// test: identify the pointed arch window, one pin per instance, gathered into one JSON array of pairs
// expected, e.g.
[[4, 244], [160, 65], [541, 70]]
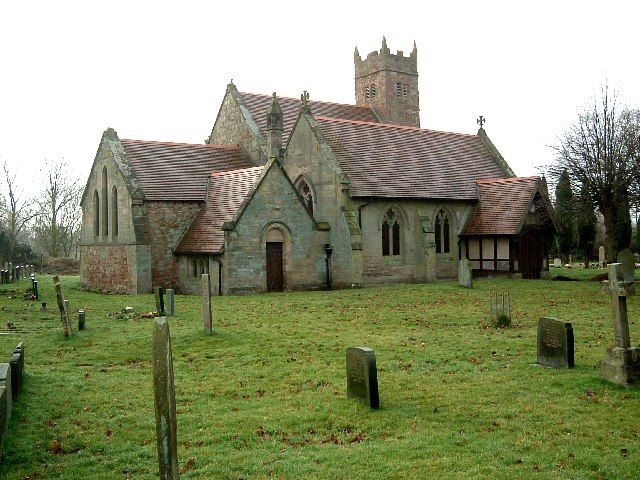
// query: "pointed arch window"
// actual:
[[442, 233], [391, 234], [105, 204], [114, 211], [96, 213], [305, 192]]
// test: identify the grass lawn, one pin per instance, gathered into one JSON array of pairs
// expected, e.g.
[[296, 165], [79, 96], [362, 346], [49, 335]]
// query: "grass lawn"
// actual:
[[265, 395]]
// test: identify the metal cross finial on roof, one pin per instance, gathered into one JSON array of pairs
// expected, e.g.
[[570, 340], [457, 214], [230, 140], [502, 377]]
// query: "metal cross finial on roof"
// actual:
[[481, 121]]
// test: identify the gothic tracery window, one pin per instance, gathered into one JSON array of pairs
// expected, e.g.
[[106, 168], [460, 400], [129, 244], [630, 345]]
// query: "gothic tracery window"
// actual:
[[390, 234], [442, 233], [305, 192]]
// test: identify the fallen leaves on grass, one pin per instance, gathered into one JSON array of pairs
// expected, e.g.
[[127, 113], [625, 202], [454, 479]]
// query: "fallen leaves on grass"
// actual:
[[187, 466]]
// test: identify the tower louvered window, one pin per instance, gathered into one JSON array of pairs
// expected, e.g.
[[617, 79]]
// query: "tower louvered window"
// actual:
[[402, 89]]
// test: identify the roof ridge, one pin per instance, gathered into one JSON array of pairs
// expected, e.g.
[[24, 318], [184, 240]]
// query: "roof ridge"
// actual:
[[228, 172], [310, 101], [392, 125], [205, 145], [507, 180]]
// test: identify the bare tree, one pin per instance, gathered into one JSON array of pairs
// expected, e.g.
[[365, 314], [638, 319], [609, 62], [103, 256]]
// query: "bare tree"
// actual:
[[17, 211], [600, 152], [58, 219]]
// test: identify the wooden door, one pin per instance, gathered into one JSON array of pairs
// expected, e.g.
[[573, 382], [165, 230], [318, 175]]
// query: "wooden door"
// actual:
[[275, 274], [530, 254]]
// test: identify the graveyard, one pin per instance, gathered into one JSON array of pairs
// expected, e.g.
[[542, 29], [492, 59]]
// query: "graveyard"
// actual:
[[265, 394]]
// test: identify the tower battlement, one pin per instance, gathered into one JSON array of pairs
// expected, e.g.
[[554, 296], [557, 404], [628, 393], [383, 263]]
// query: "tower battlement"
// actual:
[[388, 83]]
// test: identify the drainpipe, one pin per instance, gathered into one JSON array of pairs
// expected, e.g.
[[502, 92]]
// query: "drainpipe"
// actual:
[[219, 278], [360, 212], [328, 251]]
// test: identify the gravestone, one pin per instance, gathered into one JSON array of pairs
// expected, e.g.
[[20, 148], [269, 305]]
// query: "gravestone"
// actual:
[[555, 343], [159, 293], [81, 319], [206, 302], [601, 256], [628, 262], [557, 263], [500, 308], [622, 364], [362, 376], [17, 370], [62, 306], [465, 274], [34, 288], [164, 401], [4, 417], [5, 381], [43, 307], [170, 302]]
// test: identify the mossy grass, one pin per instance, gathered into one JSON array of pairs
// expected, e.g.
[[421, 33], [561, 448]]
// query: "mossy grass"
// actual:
[[264, 396]]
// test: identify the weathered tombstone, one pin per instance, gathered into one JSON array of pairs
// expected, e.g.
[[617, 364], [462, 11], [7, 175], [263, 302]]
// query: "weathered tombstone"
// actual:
[[12, 273], [159, 292], [555, 343], [17, 370], [206, 302], [81, 319], [557, 263], [34, 287], [170, 302], [5, 381], [43, 307], [4, 417], [622, 365], [62, 306], [165, 401], [362, 376], [465, 274], [500, 307], [601, 256], [628, 262]]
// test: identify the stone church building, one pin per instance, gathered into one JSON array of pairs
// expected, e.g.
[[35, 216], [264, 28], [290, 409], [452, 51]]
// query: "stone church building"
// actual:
[[301, 194]]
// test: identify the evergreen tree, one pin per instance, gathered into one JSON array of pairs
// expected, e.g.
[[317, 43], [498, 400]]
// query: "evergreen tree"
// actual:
[[623, 223], [585, 224], [565, 239]]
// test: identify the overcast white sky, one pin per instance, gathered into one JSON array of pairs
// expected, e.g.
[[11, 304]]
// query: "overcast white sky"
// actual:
[[158, 70]]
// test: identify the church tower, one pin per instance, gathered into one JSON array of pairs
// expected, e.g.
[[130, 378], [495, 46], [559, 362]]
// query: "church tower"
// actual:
[[388, 83]]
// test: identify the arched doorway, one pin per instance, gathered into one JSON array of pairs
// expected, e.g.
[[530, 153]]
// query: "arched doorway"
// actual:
[[275, 267]]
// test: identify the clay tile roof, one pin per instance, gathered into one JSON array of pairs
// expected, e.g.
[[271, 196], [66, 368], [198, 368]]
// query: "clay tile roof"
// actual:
[[227, 191], [406, 162], [258, 105], [503, 206], [179, 171]]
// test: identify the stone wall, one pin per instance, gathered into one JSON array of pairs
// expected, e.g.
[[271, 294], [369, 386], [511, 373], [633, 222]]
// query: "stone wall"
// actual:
[[167, 222], [306, 159], [234, 126], [116, 268], [275, 204]]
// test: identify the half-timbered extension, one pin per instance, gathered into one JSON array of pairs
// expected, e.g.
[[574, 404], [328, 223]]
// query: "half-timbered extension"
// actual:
[[512, 227]]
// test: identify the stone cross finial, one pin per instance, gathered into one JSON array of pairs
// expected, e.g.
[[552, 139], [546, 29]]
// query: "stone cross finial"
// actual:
[[620, 290], [305, 99], [481, 121]]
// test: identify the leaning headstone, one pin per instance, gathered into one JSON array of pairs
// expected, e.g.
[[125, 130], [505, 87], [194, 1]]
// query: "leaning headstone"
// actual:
[[81, 319], [555, 343], [5, 381], [628, 262], [17, 370], [62, 306], [500, 308], [171, 298], [362, 376], [465, 274], [159, 293], [602, 259], [622, 364], [206, 302], [164, 401], [557, 263]]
